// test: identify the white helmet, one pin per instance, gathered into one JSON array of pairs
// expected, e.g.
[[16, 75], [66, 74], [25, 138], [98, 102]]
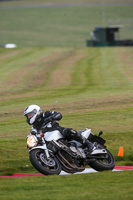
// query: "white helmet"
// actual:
[[32, 113]]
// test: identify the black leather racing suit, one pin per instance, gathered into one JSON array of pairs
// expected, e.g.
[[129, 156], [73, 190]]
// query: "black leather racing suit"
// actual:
[[48, 116], [68, 133]]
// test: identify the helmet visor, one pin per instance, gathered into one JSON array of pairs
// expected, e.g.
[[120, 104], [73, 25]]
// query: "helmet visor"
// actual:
[[31, 114]]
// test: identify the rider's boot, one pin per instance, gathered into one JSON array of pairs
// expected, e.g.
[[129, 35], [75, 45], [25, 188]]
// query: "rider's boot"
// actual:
[[86, 143]]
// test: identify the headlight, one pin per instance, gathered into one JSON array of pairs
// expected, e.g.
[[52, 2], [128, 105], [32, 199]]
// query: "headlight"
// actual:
[[32, 141]]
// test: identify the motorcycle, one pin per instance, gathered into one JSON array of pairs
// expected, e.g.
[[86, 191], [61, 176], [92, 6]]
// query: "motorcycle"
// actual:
[[50, 152]]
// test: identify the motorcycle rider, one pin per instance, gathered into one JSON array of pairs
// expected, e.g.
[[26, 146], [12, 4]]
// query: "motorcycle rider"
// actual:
[[35, 116]]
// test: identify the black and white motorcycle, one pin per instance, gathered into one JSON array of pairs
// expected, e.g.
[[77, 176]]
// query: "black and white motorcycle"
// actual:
[[50, 153]]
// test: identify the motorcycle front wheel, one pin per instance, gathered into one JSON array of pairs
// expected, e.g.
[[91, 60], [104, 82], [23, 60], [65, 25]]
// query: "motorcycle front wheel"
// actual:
[[45, 166], [107, 163]]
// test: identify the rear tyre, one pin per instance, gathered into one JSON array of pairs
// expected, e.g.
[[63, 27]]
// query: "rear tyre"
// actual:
[[42, 164], [107, 163]]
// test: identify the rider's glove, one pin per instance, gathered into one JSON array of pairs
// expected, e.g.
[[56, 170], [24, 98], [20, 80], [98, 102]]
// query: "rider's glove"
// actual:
[[72, 132], [47, 120], [33, 131]]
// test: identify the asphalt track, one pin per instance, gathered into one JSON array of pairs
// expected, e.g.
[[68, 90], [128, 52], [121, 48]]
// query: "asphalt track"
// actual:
[[86, 171]]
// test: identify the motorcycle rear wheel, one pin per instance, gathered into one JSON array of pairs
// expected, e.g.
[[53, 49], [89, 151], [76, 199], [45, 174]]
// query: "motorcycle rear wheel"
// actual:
[[44, 166], [104, 164]]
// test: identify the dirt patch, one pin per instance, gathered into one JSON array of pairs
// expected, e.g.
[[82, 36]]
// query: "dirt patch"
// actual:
[[31, 75], [95, 104], [9, 54], [92, 104], [62, 75]]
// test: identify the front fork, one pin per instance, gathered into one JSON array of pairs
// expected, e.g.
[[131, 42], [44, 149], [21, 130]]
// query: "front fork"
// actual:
[[45, 149]]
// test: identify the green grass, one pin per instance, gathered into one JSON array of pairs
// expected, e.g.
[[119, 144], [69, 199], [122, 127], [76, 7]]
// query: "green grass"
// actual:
[[104, 185]]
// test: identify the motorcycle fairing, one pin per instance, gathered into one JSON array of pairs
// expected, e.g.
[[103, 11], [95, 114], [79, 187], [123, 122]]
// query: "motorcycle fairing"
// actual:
[[53, 135]]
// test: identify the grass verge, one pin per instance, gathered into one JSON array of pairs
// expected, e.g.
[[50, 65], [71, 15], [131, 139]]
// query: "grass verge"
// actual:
[[103, 185]]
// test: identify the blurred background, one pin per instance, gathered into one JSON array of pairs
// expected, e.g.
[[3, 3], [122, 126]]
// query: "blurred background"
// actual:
[[61, 23]]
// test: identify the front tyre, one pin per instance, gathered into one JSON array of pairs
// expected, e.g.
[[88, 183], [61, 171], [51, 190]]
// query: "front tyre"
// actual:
[[107, 163], [42, 164]]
